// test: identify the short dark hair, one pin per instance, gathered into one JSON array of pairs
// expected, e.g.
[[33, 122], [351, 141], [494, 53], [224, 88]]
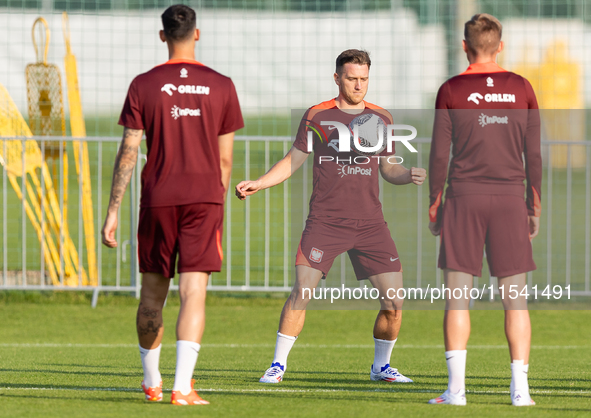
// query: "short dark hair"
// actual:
[[179, 22], [483, 34], [354, 56]]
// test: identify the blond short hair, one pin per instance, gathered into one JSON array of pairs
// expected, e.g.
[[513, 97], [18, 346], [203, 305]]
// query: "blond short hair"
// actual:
[[483, 34]]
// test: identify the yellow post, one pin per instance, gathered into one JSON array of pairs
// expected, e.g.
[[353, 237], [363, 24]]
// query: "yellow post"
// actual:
[[78, 129]]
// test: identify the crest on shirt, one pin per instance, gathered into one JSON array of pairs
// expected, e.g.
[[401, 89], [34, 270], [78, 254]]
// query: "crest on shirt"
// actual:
[[316, 255], [184, 73], [490, 82]]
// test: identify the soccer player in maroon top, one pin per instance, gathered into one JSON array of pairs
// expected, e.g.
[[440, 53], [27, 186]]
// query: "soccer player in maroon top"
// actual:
[[335, 224], [189, 113], [489, 117]]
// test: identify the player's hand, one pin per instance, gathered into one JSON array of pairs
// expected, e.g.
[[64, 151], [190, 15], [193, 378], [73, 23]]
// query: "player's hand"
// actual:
[[109, 229], [418, 175], [246, 188], [534, 226], [435, 228]]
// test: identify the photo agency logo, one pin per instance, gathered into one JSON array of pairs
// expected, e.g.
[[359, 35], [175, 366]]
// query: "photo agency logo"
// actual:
[[367, 135]]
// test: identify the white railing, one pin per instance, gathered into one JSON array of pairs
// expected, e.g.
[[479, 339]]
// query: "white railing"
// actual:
[[261, 233]]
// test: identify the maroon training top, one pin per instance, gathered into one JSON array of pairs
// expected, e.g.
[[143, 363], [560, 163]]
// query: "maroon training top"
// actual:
[[346, 186], [183, 106], [490, 117]]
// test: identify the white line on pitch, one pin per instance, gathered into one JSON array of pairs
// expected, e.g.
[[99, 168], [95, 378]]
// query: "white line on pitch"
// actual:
[[345, 346], [238, 390]]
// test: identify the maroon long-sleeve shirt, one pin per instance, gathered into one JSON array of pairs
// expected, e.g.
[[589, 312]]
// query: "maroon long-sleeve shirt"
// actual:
[[490, 118]]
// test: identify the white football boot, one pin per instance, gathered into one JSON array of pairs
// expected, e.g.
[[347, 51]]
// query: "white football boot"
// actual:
[[389, 374], [448, 398], [274, 374], [520, 398]]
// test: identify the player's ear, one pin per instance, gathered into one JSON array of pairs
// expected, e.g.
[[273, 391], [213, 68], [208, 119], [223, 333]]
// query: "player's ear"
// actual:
[[501, 47], [162, 36], [464, 46], [336, 79], [197, 33]]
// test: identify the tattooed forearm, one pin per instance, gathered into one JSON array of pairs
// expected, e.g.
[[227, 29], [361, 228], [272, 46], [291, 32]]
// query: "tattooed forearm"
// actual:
[[124, 164]]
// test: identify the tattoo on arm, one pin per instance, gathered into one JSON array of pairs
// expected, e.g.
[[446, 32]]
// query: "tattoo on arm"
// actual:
[[124, 164]]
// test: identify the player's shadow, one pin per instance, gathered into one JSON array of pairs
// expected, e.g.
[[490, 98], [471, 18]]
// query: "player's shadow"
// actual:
[[136, 399], [262, 370], [81, 373], [96, 366]]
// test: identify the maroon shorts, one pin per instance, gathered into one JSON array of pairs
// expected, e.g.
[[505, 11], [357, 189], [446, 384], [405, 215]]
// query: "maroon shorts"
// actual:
[[368, 243], [194, 232], [498, 221]]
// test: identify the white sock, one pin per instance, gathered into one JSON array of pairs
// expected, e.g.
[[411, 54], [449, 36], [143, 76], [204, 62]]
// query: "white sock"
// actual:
[[456, 369], [382, 352], [282, 348], [519, 376], [186, 358], [150, 363]]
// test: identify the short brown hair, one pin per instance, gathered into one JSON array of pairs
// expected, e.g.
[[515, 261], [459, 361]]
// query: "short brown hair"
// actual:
[[354, 56], [179, 22], [483, 34]]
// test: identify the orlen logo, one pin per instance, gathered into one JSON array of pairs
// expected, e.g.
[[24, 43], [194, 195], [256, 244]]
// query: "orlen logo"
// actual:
[[177, 112], [484, 120], [492, 98], [475, 97], [345, 170], [184, 89]]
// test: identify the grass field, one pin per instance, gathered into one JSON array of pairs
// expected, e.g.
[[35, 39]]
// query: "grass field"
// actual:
[[60, 358]]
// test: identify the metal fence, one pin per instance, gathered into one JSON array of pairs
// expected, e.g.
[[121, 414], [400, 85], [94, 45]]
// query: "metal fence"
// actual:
[[261, 234]]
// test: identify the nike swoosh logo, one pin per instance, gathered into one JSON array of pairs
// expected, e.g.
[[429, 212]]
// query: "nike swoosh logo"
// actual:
[[447, 358], [394, 259]]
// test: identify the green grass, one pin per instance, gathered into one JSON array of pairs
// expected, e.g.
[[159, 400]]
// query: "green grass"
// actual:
[[41, 374]]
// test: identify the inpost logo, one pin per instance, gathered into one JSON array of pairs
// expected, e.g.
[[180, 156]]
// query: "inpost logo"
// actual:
[[484, 120], [177, 112], [345, 170]]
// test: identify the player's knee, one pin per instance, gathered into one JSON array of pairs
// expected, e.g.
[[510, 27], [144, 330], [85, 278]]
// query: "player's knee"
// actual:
[[302, 294], [391, 305], [393, 313], [153, 300], [519, 304]]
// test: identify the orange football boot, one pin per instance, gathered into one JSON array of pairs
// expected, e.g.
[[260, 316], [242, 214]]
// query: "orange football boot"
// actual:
[[191, 399], [153, 394]]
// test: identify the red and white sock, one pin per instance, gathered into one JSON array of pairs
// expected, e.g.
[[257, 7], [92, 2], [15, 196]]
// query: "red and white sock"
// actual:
[[456, 368], [186, 358], [151, 365]]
